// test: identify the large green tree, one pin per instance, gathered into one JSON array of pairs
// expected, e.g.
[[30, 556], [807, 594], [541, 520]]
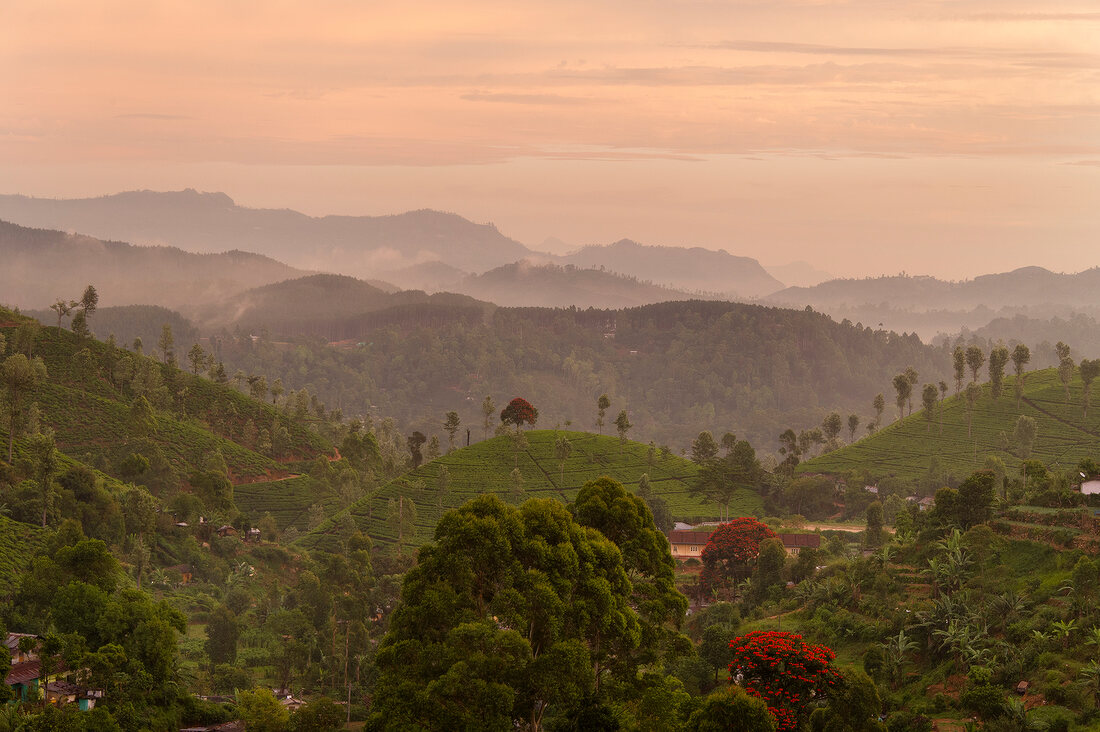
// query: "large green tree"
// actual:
[[19, 376]]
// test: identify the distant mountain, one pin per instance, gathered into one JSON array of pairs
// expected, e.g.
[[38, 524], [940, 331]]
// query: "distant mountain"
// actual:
[[428, 276], [38, 266], [691, 269], [798, 274], [525, 284], [211, 222]]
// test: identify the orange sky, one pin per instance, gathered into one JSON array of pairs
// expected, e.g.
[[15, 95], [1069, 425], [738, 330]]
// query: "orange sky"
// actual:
[[864, 136]]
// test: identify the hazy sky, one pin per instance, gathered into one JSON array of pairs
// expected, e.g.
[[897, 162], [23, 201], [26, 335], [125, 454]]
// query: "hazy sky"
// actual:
[[864, 136]]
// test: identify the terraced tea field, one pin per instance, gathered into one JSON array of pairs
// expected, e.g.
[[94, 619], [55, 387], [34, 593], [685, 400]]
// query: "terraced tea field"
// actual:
[[487, 467], [905, 448]]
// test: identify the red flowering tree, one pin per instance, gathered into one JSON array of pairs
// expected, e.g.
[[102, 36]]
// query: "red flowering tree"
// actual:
[[519, 412], [792, 676], [732, 549]]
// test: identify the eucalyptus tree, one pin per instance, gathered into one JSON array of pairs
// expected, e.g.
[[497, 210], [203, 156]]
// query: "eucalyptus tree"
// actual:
[[1021, 355], [998, 358], [958, 359], [1090, 369], [904, 389], [975, 359], [1065, 366], [973, 393], [20, 376], [928, 401]]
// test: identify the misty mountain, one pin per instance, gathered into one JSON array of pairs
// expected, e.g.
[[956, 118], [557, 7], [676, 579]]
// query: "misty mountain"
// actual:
[[525, 284], [798, 274], [212, 222], [429, 276], [41, 265], [691, 269]]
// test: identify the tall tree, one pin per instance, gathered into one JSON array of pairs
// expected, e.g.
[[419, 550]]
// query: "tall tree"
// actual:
[[519, 412], [998, 359], [62, 307], [975, 359], [973, 393], [958, 359], [167, 344], [414, 442], [1023, 435], [1065, 367], [89, 301], [622, 426], [222, 633], [720, 478], [1090, 369], [879, 405], [602, 405], [1021, 355], [703, 448], [911, 374], [80, 325], [788, 447], [943, 390], [831, 427], [197, 358], [450, 426], [487, 411], [43, 453], [19, 376], [904, 389], [853, 423], [928, 401], [442, 483], [563, 448]]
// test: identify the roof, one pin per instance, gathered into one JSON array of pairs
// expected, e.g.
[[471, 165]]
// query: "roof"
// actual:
[[689, 537], [21, 673], [12, 641], [800, 540]]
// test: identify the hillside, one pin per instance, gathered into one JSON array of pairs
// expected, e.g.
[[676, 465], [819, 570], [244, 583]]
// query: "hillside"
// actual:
[[41, 264], [907, 449], [486, 467], [525, 284], [685, 268], [363, 246]]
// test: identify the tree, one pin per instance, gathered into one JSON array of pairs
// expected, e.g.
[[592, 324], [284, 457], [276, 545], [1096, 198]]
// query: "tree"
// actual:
[[1090, 369], [789, 674], [414, 442], [222, 632], [911, 374], [788, 447], [975, 499], [450, 426], [1021, 355], [277, 390], [497, 628], [43, 454], [1065, 366], [831, 426], [958, 360], [563, 448], [80, 326], [873, 535], [731, 709], [602, 405], [731, 550], [487, 410], [853, 423], [442, 483], [89, 301], [519, 412], [975, 359], [704, 448], [167, 344], [928, 401], [943, 390], [197, 358], [998, 359], [855, 707], [622, 426], [720, 478], [19, 375], [62, 308], [1023, 435], [879, 405], [904, 389], [403, 516], [973, 393], [261, 711]]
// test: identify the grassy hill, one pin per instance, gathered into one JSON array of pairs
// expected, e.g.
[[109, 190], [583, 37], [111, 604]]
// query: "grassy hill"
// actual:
[[487, 467], [19, 543], [907, 448]]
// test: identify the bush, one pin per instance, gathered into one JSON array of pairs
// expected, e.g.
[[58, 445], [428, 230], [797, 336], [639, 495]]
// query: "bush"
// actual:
[[908, 721], [984, 700]]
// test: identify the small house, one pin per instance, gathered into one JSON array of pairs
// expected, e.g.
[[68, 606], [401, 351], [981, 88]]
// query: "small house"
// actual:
[[926, 503], [253, 535], [794, 543], [1022, 687], [689, 543]]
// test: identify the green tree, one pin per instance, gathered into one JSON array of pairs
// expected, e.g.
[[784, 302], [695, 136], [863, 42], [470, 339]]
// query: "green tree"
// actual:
[[703, 448], [487, 410], [1023, 435], [19, 376], [973, 393], [720, 478], [167, 345], [197, 358], [414, 442], [1065, 366], [403, 518], [563, 448], [1090, 369], [831, 426], [261, 711], [731, 710], [62, 308], [450, 426], [43, 454], [874, 534], [622, 426], [879, 405], [975, 499], [222, 633], [998, 359], [602, 405], [975, 359], [89, 301], [80, 326], [853, 424], [1021, 355], [904, 391], [442, 483], [928, 401]]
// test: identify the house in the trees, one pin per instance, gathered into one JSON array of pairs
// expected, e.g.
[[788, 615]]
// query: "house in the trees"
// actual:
[[26, 678], [688, 543], [794, 543]]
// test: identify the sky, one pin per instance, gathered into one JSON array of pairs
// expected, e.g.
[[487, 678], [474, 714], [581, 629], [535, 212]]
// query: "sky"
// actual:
[[944, 137]]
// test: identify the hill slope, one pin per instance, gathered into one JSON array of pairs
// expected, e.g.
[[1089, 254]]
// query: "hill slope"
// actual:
[[908, 448], [486, 467]]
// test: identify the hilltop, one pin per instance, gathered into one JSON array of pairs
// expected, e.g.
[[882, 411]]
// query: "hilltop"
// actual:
[[915, 449], [486, 467]]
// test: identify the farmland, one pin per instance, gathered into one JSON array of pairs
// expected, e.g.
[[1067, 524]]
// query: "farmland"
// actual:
[[911, 448], [487, 468]]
